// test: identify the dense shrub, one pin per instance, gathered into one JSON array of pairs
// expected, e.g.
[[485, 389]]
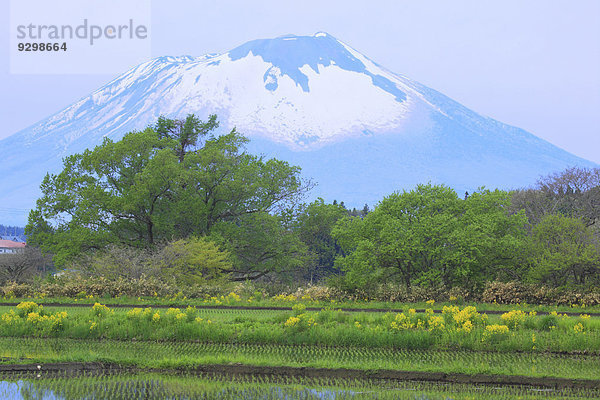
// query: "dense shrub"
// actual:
[[517, 292], [75, 286]]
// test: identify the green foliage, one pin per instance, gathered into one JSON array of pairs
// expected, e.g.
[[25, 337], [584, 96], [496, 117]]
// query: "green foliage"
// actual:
[[430, 236], [261, 244], [455, 328], [315, 224], [563, 251], [194, 260], [170, 181]]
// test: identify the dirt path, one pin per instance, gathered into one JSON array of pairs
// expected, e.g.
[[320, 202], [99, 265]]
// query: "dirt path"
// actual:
[[334, 373]]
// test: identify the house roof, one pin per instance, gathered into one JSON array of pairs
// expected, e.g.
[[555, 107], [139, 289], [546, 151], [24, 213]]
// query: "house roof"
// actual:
[[10, 244]]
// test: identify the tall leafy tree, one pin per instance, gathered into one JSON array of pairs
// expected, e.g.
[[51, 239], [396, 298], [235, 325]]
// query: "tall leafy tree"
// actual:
[[315, 224], [169, 181], [429, 235]]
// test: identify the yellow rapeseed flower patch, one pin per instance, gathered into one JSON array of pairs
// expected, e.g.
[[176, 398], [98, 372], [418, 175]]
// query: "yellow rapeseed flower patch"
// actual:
[[283, 297], [134, 313], [495, 332], [233, 296], [101, 310], [292, 321], [436, 323], [466, 327], [514, 318], [26, 307]]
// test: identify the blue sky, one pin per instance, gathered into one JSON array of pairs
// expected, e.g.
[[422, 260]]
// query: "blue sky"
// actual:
[[533, 64]]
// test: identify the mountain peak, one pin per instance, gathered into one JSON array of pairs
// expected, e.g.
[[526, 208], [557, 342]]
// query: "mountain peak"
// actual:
[[288, 54]]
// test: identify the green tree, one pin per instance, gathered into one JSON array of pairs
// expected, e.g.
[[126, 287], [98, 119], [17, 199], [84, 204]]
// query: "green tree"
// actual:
[[563, 251], [430, 236], [262, 244], [315, 224], [195, 260], [157, 185]]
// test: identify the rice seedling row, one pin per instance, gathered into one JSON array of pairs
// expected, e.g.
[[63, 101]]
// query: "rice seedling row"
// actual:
[[189, 354], [161, 386]]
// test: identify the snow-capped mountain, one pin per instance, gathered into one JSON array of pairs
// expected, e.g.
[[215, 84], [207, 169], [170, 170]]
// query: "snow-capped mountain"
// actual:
[[357, 129]]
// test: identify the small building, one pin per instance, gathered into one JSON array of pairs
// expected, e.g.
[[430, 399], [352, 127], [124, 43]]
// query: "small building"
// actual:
[[9, 246]]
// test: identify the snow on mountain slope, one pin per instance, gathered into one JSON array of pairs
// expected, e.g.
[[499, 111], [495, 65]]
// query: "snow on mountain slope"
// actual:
[[355, 127]]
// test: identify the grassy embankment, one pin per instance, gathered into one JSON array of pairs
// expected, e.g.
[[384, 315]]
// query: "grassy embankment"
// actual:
[[287, 301]]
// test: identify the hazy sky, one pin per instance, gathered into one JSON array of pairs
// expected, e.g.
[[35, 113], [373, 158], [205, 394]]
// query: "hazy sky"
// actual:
[[534, 64]]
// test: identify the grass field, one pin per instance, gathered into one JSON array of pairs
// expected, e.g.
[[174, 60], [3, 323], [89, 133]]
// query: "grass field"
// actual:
[[457, 340], [454, 328]]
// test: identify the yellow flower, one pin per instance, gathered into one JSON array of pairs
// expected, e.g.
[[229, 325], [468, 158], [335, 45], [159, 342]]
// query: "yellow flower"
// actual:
[[292, 321], [33, 317], [402, 322], [497, 328], [495, 332], [10, 317], [233, 296], [436, 323], [134, 313], [466, 327], [26, 307], [283, 297], [578, 328], [156, 317], [172, 312], [430, 302], [100, 310], [514, 318]]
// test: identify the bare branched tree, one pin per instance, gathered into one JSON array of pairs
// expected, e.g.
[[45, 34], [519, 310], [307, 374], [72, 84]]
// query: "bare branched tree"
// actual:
[[23, 265], [574, 192]]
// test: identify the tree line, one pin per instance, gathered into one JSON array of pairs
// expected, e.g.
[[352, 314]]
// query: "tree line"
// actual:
[[177, 201]]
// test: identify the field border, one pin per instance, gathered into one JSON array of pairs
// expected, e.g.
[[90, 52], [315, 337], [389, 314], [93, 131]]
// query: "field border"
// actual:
[[273, 308], [308, 372]]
